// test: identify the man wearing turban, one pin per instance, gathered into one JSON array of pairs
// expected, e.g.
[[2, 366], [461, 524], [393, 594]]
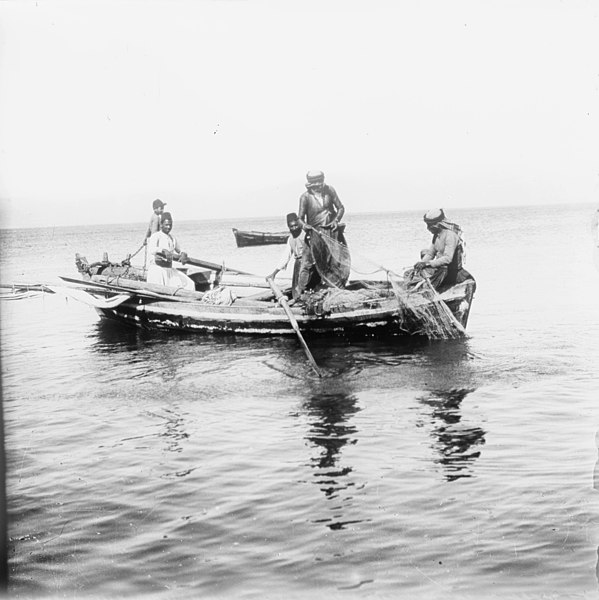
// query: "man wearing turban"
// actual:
[[321, 210], [441, 262], [163, 248], [293, 249]]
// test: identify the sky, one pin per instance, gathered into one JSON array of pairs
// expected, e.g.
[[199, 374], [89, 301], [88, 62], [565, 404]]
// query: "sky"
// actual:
[[220, 107]]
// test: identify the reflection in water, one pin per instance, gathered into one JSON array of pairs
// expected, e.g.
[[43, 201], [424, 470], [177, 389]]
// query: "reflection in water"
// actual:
[[456, 443], [329, 433], [596, 471], [173, 429], [111, 336], [596, 487]]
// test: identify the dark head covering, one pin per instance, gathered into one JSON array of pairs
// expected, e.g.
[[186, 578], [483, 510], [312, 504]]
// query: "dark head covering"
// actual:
[[166, 217], [158, 204], [314, 178], [291, 218], [434, 216]]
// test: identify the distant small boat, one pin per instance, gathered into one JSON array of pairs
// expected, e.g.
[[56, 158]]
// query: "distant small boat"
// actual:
[[259, 238]]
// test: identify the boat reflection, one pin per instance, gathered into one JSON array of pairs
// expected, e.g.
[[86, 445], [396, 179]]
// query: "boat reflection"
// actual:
[[457, 444], [596, 470], [329, 432], [172, 428], [596, 487], [112, 336]]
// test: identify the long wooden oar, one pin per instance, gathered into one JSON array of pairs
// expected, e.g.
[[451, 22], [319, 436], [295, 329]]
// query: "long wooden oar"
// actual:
[[283, 302], [196, 262], [95, 285], [27, 287]]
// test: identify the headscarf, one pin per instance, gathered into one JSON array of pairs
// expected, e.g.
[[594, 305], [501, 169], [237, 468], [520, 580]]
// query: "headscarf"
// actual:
[[436, 216], [314, 178]]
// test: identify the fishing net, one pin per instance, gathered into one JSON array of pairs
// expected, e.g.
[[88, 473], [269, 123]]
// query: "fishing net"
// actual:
[[333, 300], [422, 306], [421, 309], [331, 258]]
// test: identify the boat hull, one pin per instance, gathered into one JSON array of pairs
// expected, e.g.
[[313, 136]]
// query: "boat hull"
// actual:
[[377, 317], [259, 238]]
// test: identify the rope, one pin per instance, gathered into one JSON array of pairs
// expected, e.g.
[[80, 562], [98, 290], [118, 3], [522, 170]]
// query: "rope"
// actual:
[[144, 245]]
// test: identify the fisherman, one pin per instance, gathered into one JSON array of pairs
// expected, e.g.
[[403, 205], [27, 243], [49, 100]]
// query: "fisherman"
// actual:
[[163, 248], [154, 226], [293, 249], [320, 212], [441, 263]]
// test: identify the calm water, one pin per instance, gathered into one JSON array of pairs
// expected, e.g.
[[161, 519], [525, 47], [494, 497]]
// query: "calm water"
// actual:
[[197, 466]]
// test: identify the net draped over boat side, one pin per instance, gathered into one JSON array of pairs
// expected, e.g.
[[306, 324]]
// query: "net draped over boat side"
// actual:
[[332, 259], [426, 308]]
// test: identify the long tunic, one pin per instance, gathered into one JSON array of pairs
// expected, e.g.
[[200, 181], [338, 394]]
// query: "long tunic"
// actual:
[[442, 251], [166, 275]]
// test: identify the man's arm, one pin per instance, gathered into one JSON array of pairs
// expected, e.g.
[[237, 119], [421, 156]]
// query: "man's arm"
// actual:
[[426, 257], [337, 204], [451, 243], [303, 212]]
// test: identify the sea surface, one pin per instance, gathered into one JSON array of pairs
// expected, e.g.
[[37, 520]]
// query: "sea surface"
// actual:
[[176, 465]]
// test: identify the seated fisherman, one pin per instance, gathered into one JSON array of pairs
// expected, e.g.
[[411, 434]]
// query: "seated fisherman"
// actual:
[[319, 209], [163, 248], [441, 263], [293, 249]]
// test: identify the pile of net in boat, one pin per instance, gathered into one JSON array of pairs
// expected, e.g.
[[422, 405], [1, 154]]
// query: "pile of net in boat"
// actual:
[[421, 308], [325, 301], [420, 311]]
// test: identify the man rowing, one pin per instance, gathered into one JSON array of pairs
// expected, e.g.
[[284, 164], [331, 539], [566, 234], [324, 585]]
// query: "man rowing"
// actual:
[[293, 249], [163, 248]]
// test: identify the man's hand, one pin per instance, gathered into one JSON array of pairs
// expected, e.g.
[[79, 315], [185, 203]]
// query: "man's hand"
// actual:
[[183, 258], [334, 225], [421, 264], [165, 254]]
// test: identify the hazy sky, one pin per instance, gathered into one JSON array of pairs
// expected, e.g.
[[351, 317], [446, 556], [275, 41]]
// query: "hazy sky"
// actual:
[[220, 107]]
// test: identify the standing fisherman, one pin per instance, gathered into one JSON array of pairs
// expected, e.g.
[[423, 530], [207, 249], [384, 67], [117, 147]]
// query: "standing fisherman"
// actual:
[[321, 210]]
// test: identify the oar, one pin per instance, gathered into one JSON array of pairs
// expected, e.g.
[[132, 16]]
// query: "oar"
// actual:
[[283, 302], [196, 262], [28, 287], [94, 285]]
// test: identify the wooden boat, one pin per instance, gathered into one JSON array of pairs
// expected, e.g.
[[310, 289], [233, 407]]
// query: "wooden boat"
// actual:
[[365, 308], [259, 238]]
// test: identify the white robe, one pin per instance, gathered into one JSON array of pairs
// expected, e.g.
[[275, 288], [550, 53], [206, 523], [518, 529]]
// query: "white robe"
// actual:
[[168, 276]]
